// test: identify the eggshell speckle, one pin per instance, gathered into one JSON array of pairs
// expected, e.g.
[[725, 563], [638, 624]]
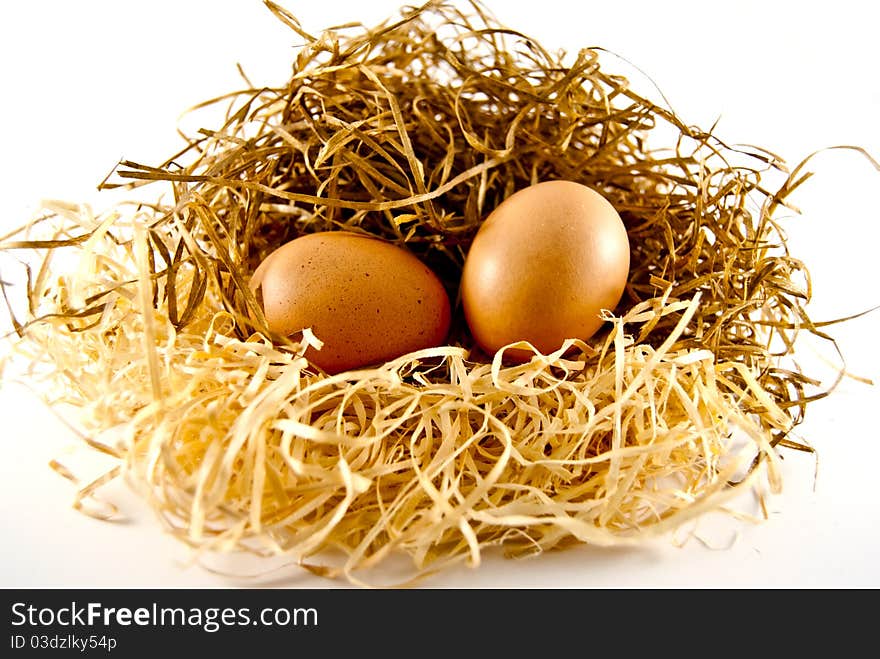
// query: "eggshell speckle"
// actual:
[[543, 266], [369, 301]]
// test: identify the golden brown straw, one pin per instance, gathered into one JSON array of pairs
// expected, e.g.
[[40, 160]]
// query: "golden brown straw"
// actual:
[[414, 131]]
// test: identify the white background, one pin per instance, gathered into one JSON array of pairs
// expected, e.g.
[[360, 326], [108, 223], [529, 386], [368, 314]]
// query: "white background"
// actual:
[[85, 84]]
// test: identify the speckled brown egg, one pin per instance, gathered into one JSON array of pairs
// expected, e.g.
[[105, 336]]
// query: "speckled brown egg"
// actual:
[[543, 266], [368, 300]]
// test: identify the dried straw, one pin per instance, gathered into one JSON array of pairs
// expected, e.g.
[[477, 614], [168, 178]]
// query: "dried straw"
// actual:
[[413, 131]]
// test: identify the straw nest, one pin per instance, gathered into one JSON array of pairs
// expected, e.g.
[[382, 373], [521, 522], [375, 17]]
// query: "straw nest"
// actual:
[[413, 131]]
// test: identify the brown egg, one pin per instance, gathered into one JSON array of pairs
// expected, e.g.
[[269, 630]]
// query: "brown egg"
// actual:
[[543, 266], [369, 301]]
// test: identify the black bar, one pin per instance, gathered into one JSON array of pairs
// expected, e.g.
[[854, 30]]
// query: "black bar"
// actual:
[[126, 622]]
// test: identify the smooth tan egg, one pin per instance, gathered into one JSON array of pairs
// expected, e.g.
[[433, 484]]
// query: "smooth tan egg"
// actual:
[[543, 266], [369, 301]]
